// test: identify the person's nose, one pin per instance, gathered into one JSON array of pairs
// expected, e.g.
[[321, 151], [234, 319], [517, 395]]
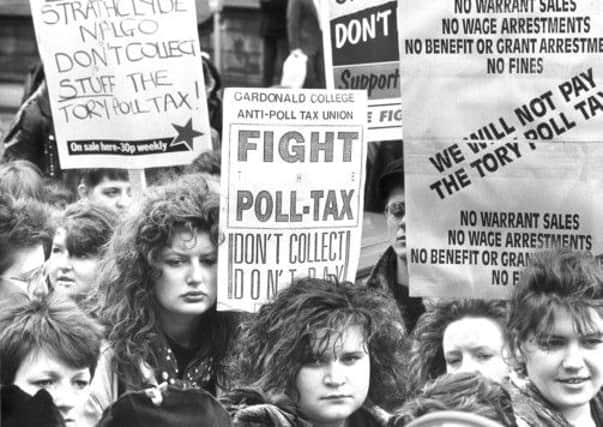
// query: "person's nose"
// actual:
[[335, 374], [573, 357], [468, 364], [195, 273], [124, 200], [64, 397], [63, 260]]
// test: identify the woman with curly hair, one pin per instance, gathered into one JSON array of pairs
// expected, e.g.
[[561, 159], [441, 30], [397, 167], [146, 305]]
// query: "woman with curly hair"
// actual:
[[556, 336], [158, 297], [322, 353], [458, 336]]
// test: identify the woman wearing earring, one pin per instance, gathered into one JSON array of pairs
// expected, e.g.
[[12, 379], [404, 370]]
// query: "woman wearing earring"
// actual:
[[556, 336]]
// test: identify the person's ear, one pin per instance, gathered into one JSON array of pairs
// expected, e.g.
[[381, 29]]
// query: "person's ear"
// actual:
[[82, 191]]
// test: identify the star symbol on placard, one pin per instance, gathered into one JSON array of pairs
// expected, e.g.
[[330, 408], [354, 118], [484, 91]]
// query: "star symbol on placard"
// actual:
[[185, 135]]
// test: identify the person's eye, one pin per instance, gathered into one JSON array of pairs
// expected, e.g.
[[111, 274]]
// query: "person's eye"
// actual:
[[56, 250], [484, 356], [111, 192], [592, 342], [174, 262], [350, 359], [315, 361], [81, 384], [453, 362], [551, 344], [81, 256], [208, 260], [43, 383]]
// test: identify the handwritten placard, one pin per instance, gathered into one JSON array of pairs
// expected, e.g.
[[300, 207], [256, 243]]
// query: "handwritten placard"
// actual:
[[125, 79]]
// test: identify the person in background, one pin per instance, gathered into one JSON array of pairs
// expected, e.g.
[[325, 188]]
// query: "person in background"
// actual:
[[304, 35], [58, 194], [321, 353], [49, 343], [391, 271], [25, 238], [108, 187], [273, 30], [157, 297], [82, 231], [22, 179], [555, 331], [459, 336], [466, 392]]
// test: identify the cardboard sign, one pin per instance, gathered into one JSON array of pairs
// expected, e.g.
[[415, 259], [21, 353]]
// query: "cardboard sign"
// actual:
[[486, 84], [125, 80], [476, 242], [292, 186], [361, 52], [488, 70]]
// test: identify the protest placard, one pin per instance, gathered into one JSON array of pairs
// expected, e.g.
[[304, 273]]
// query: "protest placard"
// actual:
[[361, 52], [475, 243], [484, 69], [125, 80], [517, 74], [291, 192]]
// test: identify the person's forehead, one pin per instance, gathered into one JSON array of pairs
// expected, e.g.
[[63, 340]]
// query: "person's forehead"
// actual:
[[350, 338], [563, 323], [40, 361], [472, 332], [185, 240], [107, 182]]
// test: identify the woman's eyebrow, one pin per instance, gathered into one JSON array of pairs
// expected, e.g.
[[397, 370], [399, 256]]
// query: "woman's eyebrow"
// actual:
[[597, 334]]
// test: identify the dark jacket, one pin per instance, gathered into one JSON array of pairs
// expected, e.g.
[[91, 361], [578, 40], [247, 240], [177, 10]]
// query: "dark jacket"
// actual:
[[31, 134], [273, 22], [19, 409], [269, 415], [384, 276], [303, 27]]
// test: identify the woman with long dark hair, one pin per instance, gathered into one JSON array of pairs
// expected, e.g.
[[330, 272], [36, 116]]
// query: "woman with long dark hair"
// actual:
[[158, 296]]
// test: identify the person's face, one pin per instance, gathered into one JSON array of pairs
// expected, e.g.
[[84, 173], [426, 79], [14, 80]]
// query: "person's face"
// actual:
[[115, 194], [68, 273], [564, 365], [335, 384], [395, 215], [188, 280], [475, 344], [68, 386]]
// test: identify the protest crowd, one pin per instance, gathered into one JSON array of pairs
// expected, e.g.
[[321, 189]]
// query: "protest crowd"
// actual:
[[109, 293]]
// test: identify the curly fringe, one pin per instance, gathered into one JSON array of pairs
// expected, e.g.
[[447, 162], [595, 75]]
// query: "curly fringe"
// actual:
[[126, 303], [273, 346]]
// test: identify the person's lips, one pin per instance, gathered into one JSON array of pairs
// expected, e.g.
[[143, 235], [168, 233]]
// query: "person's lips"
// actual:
[[194, 296], [65, 281], [573, 381], [336, 397]]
